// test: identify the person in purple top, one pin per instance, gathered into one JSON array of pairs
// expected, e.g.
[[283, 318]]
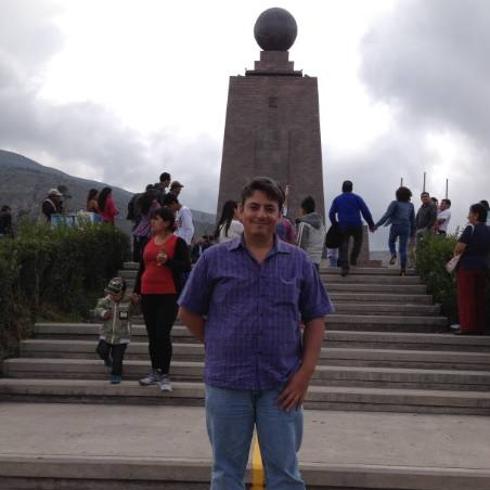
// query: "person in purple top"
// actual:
[[246, 299], [346, 211]]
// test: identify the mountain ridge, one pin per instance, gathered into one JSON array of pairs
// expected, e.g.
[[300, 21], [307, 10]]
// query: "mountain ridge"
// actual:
[[24, 184]]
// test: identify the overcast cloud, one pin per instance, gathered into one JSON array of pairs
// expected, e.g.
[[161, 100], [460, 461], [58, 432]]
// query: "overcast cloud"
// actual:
[[418, 100]]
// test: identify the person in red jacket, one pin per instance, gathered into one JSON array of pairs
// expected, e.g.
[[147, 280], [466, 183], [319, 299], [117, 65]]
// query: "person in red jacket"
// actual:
[[107, 207], [159, 281]]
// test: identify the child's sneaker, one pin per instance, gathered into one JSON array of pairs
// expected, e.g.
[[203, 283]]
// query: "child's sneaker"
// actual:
[[164, 383], [152, 378], [116, 379]]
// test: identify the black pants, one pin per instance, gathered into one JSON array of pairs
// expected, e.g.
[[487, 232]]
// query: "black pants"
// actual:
[[356, 233], [112, 353], [159, 312]]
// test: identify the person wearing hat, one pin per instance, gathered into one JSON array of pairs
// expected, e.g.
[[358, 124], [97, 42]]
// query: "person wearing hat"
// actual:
[[52, 204], [175, 188], [115, 310]]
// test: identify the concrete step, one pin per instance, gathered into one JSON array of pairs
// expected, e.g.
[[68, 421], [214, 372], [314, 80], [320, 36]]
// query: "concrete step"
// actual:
[[371, 271], [332, 276], [393, 322], [349, 286], [192, 394], [336, 337], [407, 341], [436, 379], [333, 356], [133, 266], [329, 278], [386, 323], [386, 308], [382, 298]]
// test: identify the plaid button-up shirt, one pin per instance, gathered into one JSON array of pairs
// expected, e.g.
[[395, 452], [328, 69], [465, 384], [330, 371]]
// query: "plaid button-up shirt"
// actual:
[[253, 312]]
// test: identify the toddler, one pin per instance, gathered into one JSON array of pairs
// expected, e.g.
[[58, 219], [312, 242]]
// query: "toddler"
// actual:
[[115, 310]]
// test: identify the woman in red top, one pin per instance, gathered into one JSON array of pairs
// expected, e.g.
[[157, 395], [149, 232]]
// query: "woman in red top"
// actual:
[[165, 258], [107, 207]]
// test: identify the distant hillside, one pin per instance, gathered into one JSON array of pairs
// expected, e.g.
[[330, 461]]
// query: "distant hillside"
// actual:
[[24, 184]]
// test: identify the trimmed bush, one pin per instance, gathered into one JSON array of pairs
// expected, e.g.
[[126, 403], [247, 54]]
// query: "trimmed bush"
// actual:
[[433, 252], [54, 273]]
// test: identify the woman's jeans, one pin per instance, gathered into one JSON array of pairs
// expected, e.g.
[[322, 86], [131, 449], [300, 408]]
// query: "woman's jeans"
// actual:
[[402, 232], [231, 416]]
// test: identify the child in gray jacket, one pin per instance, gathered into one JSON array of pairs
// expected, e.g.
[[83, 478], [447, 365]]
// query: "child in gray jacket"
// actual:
[[116, 311]]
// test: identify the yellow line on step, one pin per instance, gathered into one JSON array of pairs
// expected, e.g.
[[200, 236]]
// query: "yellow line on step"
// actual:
[[257, 468]]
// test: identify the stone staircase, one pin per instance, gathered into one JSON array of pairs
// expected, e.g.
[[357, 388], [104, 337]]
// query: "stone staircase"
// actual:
[[386, 349], [388, 362]]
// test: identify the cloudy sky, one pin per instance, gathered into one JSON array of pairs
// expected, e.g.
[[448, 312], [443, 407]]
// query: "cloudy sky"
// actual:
[[120, 90]]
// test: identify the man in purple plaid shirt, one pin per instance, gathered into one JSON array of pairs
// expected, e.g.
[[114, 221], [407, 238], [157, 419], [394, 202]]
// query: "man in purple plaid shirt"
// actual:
[[246, 299]]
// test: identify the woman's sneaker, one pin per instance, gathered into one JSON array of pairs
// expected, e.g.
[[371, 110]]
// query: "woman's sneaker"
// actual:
[[164, 383], [115, 379], [152, 378]]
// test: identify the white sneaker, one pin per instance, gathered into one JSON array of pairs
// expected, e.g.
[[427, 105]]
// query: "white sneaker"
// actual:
[[455, 326], [152, 378], [164, 383]]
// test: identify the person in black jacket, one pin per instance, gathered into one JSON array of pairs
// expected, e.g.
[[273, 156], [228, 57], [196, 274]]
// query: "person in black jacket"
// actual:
[[158, 283]]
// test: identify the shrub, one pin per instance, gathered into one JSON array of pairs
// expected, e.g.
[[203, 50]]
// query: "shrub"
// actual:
[[433, 252], [54, 273]]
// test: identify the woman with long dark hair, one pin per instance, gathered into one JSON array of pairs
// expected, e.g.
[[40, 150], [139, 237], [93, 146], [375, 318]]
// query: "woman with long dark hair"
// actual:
[[107, 207], [474, 248], [159, 281], [401, 215], [147, 203], [92, 204], [228, 226]]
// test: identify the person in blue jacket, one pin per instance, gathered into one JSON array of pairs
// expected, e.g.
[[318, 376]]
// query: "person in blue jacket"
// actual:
[[346, 211]]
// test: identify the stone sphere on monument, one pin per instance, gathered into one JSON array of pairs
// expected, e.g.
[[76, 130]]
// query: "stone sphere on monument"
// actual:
[[275, 30]]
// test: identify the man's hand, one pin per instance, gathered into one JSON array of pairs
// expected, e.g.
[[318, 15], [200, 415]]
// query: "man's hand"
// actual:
[[291, 398]]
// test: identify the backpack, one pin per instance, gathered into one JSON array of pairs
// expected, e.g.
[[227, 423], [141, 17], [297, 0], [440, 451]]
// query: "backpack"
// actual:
[[133, 213]]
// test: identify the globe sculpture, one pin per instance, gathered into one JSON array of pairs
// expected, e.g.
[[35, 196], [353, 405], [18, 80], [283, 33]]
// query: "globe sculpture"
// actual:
[[275, 30]]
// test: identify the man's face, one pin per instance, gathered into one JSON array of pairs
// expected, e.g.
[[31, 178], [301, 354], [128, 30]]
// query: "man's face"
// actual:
[[165, 183], [425, 198], [443, 205], [259, 215]]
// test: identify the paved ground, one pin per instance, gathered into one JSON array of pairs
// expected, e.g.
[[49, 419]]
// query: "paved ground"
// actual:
[[155, 433]]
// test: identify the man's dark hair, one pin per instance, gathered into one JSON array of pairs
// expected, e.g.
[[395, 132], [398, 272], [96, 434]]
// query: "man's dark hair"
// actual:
[[434, 200], [308, 204], [169, 199], [266, 185], [424, 194], [485, 204], [164, 176], [480, 210], [403, 194], [447, 201], [347, 186]]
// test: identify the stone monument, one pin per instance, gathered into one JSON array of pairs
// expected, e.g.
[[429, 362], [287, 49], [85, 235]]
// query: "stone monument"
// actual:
[[272, 121]]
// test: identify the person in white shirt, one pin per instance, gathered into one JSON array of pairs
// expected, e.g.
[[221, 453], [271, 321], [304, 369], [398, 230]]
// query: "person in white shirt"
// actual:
[[443, 217], [183, 218], [228, 226]]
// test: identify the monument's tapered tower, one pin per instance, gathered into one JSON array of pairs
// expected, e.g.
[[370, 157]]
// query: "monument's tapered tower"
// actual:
[[272, 121]]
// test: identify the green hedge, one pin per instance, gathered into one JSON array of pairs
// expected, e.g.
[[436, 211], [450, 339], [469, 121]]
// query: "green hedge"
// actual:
[[433, 252], [54, 274]]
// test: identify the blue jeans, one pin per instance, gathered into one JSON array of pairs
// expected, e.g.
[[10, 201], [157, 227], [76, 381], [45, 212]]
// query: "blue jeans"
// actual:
[[402, 232], [230, 418]]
